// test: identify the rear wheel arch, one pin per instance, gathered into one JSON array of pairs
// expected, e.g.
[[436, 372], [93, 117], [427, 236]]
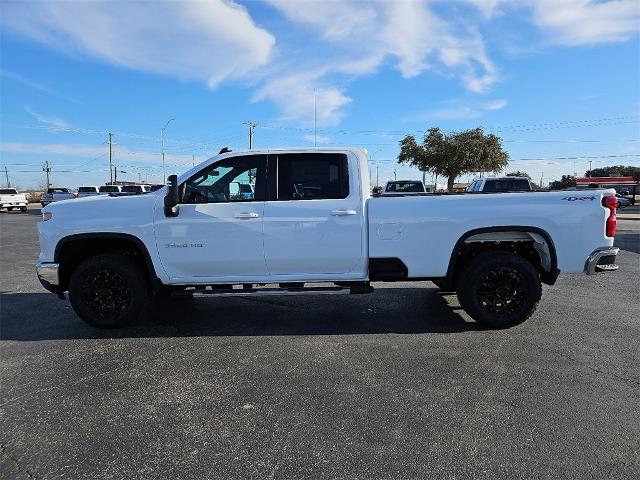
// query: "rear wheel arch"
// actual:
[[537, 248], [72, 250]]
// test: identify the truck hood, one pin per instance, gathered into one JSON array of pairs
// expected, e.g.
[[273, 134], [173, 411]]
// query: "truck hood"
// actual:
[[104, 212]]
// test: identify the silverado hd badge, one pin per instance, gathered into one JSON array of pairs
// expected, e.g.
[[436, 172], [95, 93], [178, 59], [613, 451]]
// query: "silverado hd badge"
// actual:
[[182, 245]]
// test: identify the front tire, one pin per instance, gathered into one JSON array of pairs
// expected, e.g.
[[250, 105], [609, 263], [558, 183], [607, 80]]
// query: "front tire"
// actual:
[[109, 291], [499, 289]]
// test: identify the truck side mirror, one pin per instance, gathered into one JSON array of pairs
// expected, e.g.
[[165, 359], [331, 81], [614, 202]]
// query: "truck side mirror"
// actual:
[[171, 200]]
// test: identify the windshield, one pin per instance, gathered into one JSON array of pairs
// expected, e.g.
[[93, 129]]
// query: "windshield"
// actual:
[[109, 188], [132, 188], [87, 189], [58, 190], [8, 191]]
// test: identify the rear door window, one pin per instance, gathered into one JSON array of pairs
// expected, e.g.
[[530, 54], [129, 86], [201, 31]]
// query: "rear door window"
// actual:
[[312, 176]]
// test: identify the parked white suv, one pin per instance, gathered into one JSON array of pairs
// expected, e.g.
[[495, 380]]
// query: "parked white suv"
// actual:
[[311, 220], [107, 189], [87, 191]]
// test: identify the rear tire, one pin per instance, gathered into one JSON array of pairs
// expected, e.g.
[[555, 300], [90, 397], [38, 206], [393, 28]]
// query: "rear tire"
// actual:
[[23, 209], [499, 289], [109, 291]]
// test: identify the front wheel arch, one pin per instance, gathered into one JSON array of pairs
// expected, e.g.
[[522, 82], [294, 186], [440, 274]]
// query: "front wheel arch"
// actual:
[[74, 249]]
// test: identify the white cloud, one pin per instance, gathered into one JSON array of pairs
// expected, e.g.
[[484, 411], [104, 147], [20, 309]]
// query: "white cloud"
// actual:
[[495, 104], [294, 94], [320, 139], [54, 122], [35, 85], [575, 22], [582, 22], [208, 41], [122, 155], [460, 112], [363, 35]]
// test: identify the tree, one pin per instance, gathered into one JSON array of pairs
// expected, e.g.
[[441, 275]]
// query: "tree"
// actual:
[[518, 173], [567, 181], [454, 154], [615, 171]]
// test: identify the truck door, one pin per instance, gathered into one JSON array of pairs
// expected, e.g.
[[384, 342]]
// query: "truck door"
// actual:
[[314, 216], [218, 231]]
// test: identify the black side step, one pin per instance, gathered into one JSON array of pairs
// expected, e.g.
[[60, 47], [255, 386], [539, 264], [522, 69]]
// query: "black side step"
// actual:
[[256, 292]]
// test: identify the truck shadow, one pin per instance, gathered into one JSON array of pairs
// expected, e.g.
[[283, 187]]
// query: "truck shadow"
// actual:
[[41, 316], [628, 241]]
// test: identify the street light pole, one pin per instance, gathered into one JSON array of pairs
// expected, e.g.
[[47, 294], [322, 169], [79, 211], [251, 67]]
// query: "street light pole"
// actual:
[[164, 173]]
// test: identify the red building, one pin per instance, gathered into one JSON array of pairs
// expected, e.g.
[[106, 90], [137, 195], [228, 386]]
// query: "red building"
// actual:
[[619, 183]]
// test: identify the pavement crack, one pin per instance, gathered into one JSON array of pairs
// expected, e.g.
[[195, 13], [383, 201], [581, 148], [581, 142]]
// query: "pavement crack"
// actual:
[[16, 462]]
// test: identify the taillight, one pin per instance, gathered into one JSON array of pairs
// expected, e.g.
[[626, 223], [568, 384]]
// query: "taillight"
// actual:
[[610, 202]]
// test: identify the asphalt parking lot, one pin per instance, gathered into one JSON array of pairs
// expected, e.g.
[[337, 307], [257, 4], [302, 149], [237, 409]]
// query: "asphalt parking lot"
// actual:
[[398, 384]]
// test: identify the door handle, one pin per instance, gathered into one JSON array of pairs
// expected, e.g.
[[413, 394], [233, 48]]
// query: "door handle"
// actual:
[[246, 215], [343, 212]]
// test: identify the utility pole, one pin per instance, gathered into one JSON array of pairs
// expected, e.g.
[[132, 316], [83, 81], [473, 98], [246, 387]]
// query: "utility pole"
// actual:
[[541, 179], [6, 174], [377, 175], [164, 173], [590, 168], [315, 120], [115, 174], [110, 160], [193, 160], [252, 126], [47, 169]]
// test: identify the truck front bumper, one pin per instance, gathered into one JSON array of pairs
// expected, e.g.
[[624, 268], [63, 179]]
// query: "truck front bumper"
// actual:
[[48, 276], [601, 260]]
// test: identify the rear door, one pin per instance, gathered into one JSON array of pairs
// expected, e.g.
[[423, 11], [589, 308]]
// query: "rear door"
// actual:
[[314, 216]]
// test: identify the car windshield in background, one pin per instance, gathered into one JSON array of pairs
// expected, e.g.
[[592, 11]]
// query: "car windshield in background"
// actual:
[[58, 190], [8, 191], [132, 189], [87, 189], [516, 185], [405, 187], [109, 189]]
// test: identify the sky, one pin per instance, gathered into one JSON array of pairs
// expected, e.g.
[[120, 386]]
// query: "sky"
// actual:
[[558, 80]]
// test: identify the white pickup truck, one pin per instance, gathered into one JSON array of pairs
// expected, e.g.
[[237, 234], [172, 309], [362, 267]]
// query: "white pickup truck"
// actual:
[[310, 218], [10, 199]]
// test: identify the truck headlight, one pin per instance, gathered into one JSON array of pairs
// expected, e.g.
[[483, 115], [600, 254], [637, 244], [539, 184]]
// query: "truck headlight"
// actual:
[[46, 216]]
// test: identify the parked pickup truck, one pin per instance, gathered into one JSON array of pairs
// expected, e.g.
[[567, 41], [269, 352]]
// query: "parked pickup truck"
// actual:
[[310, 218], [10, 199], [55, 194], [405, 187]]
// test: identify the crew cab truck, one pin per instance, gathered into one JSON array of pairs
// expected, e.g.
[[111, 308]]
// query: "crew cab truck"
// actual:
[[309, 218], [10, 199], [56, 194]]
